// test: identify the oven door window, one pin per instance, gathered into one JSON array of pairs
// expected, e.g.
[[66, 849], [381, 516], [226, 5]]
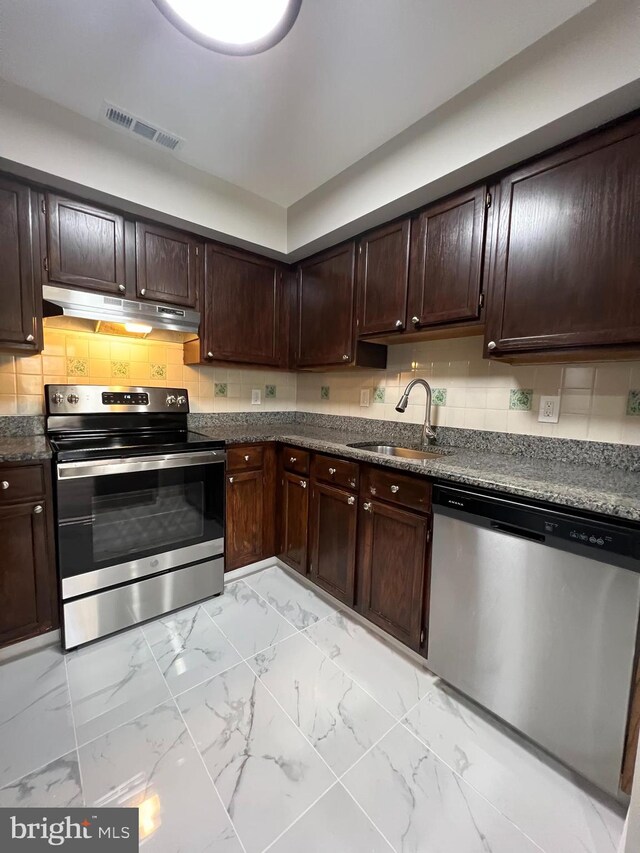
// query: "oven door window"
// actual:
[[112, 519]]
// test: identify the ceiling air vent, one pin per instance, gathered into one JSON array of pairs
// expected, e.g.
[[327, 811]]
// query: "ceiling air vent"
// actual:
[[134, 124]]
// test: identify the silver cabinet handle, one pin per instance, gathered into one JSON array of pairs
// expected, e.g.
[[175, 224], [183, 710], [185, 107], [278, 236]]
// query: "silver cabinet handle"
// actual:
[[332, 471], [303, 483], [415, 321], [5, 484], [121, 288], [246, 458], [352, 483], [29, 339], [231, 479], [492, 345], [143, 291], [345, 357], [373, 490], [399, 324], [37, 509], [395, 489], [367, 506], [209, 355], [293, 459], [351, 500]]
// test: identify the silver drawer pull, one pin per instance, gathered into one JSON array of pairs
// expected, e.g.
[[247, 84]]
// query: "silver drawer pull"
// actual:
[[231, 479], [303, 483], [121, 288], [352, 483], [332, 471], [351, 500], [293, 459], [29, 339], [367, 506], [492, 345], [395, 489], [246, 458], [5, 484], [373, 490], [37, 509]]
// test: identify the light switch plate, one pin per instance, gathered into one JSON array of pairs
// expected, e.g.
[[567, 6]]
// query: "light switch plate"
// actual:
[[549, 411], [256, 397], [365, 397]]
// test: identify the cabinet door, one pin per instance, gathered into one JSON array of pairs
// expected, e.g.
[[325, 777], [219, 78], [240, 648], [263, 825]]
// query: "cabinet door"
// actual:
[[20, 326], [383, 273], [567, 251], [25, 572], [334, 514], [242, 308], [446, 260], [167, 265], [85, 246], [326, 290], [295, 521], [392, 565], [244, 531]]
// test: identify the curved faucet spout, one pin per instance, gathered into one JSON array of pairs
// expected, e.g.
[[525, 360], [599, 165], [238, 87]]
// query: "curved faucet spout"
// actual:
[[428, 432]]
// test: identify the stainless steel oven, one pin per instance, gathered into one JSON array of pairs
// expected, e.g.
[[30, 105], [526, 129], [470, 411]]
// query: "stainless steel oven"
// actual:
[[139, 507]]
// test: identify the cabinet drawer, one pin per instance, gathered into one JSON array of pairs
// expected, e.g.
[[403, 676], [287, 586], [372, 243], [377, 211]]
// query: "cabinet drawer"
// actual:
[[398, 489], [296, 460], [245, 458], [341, 472], [21, 483]]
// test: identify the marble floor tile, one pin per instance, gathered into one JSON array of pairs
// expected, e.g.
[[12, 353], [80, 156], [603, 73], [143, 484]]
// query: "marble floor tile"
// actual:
[[246, 619], [265, 771], [112, 682], [151, 763], [56, 784], [189, 648], [338, 717], [540, 799], [295, 601], [421, 806], [335, 824], [35, 713], [392, 679]]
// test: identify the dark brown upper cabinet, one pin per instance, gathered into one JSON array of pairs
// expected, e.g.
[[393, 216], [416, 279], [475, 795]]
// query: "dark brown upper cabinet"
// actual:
[[85, 246], [446, 260], [566, 268], [326, 333], [20, 304], [167, 265], [244, 317], [383, 278]]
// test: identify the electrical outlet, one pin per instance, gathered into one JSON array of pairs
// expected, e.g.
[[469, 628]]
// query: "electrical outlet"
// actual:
[[549, 411], [256, 397], [365, 396]]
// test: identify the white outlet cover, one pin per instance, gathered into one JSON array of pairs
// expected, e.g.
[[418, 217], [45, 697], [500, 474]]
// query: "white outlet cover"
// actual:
[[365, 397], [549, 411], [256, 397]]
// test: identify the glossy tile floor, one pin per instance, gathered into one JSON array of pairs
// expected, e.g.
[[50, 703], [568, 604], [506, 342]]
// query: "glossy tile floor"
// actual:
[[269, 719]]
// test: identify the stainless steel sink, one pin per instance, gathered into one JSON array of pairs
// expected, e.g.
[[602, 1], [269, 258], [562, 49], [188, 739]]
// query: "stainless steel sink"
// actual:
[[397, 450]]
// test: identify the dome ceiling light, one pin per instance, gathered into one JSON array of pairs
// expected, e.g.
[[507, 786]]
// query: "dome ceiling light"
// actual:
[[237, 27]]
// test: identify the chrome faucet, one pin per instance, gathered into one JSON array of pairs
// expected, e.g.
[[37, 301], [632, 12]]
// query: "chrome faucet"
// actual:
[[428, 431]]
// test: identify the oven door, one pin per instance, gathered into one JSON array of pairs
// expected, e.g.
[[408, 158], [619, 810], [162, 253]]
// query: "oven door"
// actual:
[[121, 519]]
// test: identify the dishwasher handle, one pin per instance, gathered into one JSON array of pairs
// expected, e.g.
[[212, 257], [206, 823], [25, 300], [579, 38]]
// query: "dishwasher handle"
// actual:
[[518, 532]]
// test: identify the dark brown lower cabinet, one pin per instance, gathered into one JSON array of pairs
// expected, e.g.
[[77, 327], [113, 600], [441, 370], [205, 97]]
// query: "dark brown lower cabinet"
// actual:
[[295, 521], [333, 529], [392, 570], [250, 505]]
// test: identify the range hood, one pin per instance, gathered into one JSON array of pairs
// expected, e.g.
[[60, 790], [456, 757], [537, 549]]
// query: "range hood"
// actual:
[[59, 301]]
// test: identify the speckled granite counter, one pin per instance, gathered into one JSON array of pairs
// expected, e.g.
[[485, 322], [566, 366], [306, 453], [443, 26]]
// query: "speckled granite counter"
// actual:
[[24, 448], [607, 490]]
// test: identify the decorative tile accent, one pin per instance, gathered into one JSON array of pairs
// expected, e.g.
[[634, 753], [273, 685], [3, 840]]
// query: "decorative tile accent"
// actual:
[[520, 399], [158, 371], [324, 392], [270, 392], [120, 369], [78, 366], [439, 396], [378, 395], [633, 403], [220, 389]]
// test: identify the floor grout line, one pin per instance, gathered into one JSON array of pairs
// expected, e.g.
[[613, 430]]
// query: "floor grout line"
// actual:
[[75, 731]]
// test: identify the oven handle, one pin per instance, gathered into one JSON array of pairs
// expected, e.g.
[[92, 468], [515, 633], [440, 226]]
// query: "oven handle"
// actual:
[[107, 467]]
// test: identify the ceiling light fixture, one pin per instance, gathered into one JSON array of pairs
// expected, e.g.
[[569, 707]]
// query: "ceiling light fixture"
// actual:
[[237, 27]]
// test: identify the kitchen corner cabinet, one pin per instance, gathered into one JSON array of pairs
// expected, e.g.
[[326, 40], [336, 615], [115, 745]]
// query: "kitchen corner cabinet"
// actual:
[[27, 568], [85, 246], [244, 316], [326, 319], [383, 278], [446, 260], [168, 265], [250, 504], [20, 300], [567, 250]]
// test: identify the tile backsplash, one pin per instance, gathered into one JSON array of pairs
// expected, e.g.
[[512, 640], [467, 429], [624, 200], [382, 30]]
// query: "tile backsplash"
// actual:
[[599, 401]]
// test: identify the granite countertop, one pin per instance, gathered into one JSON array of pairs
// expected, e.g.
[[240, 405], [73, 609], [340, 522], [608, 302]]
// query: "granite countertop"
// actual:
[[24, 448], [607, 490]]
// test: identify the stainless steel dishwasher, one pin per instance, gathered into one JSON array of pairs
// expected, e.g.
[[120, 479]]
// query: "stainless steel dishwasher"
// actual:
[[534, 615]]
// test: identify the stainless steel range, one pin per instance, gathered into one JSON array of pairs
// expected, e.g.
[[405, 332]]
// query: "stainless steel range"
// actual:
[[139, 506]]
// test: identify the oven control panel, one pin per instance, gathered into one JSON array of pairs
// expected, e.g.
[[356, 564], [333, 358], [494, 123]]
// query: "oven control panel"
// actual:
[[100, 399]]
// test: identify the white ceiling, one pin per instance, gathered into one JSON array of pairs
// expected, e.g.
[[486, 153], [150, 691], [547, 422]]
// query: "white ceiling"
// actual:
[[351, 75]]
